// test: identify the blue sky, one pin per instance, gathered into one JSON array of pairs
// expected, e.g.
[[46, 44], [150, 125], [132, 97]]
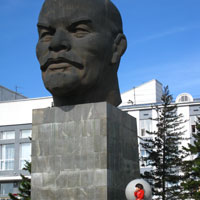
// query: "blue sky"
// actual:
[[163, 43]]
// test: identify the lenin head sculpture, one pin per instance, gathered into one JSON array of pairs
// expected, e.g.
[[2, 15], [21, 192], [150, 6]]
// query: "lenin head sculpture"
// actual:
[[79, 50]]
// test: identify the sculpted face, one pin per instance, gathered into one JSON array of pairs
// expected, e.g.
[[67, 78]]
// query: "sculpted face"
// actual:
[[75, 48]]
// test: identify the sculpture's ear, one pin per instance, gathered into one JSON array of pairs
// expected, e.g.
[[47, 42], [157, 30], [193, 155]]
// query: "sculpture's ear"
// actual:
[[119, 47]]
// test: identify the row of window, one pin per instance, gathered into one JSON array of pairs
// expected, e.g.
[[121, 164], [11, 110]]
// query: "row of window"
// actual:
[[15, 149], [6, 135], [6, 188], [8, 154], [146, 125]]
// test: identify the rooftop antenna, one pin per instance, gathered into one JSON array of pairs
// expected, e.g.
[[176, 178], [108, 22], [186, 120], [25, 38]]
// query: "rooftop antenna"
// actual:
[[134, 95], [17, 91]]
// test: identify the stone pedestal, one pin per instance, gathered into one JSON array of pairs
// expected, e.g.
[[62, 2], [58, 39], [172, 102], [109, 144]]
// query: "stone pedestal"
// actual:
[[83, 152]]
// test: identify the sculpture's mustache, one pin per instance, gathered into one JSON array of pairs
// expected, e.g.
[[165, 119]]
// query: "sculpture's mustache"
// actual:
[[72, 60]]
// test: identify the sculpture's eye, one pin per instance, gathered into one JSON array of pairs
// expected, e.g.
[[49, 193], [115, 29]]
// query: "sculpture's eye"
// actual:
[[46, 33], [80, 30]]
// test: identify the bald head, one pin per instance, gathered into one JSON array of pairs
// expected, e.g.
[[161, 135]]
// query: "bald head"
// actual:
[[103, 10], [79, 50]]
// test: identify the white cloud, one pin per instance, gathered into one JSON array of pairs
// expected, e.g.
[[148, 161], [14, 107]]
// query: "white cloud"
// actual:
[[166, 33]]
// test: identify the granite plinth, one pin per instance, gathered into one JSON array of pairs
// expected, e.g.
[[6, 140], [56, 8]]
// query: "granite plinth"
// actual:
[[83, 152]]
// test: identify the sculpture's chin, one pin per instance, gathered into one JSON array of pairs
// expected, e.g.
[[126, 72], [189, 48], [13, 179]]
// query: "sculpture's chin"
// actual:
[[59, 84]]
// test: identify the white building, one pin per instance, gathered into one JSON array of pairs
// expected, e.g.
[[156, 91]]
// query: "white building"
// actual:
[[147, 93], [142, 110], [15, 130], [16, 119]]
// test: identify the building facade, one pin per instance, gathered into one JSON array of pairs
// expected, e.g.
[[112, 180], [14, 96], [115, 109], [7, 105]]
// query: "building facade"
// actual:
[[15, 131], [16, 127], [189, 107]]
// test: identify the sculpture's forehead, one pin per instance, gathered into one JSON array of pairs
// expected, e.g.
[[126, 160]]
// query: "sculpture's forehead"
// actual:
[[69, 10]]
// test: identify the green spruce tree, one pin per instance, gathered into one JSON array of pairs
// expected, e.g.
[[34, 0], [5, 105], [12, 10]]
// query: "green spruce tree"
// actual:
[[164, 154], [191, 168], [25, 185]]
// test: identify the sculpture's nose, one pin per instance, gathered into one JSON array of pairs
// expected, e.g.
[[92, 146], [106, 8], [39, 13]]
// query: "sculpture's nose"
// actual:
[[60, 41]]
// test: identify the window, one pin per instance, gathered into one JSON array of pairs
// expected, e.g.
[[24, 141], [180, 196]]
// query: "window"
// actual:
[[6, 135], [184, 97], [145, 125], [6, 188], [144, 154], [143, 131], [7, 157], [25, 153], [193, 120], [193, 127], [25, 133]]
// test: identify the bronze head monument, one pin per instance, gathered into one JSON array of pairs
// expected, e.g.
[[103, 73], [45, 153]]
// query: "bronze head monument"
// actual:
[[82, 152], [79, 50]]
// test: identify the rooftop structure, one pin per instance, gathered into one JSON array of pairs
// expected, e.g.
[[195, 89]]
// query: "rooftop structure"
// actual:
[[7, 94]]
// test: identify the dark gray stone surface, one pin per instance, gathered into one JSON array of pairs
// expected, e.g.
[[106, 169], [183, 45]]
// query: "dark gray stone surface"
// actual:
[[86, 151]]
